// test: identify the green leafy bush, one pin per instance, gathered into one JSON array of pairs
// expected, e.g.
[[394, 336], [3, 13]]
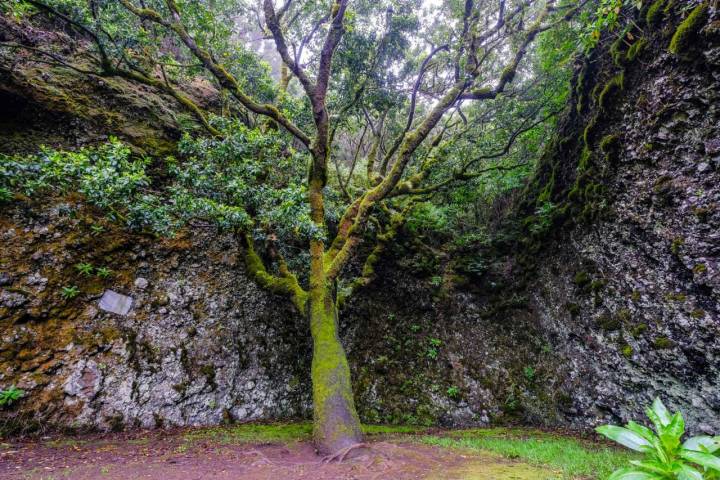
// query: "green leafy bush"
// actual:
[[433, 349], [543, 218], [69, 292], [217, 181], [5, 195], [10, 396], [84, 268], [427, 218], [666, 458], [103, 272]]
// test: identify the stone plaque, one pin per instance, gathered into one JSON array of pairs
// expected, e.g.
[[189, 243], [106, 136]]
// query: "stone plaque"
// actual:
[[115, 303]]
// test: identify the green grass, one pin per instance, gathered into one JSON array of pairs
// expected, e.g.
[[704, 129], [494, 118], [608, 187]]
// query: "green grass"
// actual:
[[254, 433], [573, 457], [280, 432], [391, 429]]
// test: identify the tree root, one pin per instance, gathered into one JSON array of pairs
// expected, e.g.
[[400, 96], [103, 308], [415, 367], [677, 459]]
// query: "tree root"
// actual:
[[343, 453], [263, 458]]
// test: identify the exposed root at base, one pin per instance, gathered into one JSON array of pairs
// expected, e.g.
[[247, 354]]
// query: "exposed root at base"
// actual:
[[343, 453]]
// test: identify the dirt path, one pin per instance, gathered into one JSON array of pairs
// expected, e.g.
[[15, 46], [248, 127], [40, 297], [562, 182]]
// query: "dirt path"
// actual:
[[174, 456]]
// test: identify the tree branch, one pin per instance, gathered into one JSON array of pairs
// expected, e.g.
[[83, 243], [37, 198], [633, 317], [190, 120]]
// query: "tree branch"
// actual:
[[224, 78], [287, 284], [273, 23]]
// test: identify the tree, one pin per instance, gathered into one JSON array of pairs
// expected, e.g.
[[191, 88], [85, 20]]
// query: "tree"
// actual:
[[393, 101]]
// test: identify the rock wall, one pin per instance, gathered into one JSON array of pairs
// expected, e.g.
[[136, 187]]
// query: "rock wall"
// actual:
[[201, 345], [573, 326], [56, 106], [628, 293]]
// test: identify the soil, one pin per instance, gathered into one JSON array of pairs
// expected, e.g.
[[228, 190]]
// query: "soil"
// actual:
[[173, 455]]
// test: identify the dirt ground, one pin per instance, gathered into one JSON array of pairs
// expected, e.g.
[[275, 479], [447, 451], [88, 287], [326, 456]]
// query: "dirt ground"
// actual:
[[175, 456]]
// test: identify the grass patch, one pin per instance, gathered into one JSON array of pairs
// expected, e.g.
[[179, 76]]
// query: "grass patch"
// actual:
[[574, 458], [280, 432], [254, 433], [391, 429]]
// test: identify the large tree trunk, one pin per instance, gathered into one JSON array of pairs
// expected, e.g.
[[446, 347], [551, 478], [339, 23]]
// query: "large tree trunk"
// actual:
[[336, 423]]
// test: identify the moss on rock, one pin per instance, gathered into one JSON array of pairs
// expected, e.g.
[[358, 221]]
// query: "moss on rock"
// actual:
[[582, 279], [688, 29], [655, 12], [663, 343], [617, 83], [608, 323], [636, 49]]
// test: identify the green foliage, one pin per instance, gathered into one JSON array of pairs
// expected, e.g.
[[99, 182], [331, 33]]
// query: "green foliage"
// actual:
[[70, 292], [529, 373], [10, 396], [666, 457], [605, 17], [217, 181], [16, 8], [108, 176], [427, 218], [84, 268], [453, 392], [221, 180], [103, 272], [433, 349], [687, 30], [543, 219], [654, 13], [570, 457], [5, 195]]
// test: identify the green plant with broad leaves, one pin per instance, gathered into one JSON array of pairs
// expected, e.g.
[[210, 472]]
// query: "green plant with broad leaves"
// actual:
[[103, 272], [666, 456], [10, 396], [453, 392], [84, 268], [433, 349], [5, 195], [69, 293]]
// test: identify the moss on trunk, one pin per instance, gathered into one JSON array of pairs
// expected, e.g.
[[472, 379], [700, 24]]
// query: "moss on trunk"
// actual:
[[336, 423]]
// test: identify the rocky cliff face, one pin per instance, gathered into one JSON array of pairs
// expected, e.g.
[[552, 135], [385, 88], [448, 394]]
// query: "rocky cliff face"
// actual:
[[59, 107], [631, 301], [201, 344], [572, 326]]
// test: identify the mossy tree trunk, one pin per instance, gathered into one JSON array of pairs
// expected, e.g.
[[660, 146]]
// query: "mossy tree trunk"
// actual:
[[335, 421], [336, 424]]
